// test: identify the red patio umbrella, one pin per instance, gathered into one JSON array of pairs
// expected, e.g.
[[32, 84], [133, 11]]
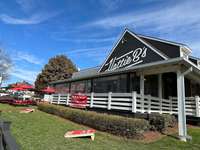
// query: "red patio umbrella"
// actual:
[[17, 89], [26, 86], [49, 90], [22, 87]]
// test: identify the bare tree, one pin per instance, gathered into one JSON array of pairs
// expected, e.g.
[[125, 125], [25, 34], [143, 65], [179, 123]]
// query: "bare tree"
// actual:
[[5, 65]]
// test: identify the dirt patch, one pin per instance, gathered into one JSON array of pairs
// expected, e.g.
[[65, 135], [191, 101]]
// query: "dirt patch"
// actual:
[[151, 136]]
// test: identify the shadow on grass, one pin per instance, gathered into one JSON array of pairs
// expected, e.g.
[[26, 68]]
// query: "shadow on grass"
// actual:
[[170, 135], [189, 142]]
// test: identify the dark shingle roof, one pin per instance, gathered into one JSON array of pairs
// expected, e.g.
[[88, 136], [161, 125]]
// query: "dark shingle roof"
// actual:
[[85, 73]]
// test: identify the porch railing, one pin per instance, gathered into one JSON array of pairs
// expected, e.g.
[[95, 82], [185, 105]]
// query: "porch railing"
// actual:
[[133, 102]]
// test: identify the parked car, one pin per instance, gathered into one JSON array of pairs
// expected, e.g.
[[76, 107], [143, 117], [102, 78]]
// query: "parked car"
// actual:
[[4, 94], [23, 102], [14, 101], [6, 99]]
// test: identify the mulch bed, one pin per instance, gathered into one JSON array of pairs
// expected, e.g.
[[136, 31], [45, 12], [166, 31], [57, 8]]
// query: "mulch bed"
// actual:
[[151, 136]]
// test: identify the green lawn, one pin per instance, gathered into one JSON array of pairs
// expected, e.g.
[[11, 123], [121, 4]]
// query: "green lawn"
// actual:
[[42, 131]]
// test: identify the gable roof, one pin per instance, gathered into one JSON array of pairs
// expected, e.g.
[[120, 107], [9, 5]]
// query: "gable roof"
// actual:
[[150, 46], [162, 40]]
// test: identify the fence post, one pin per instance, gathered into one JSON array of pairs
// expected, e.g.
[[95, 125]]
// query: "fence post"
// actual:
[[134, 101], [67, 101], [51, 100], [91, 99], [197, 100], [58, 102], [171, 104], [170, 101], [109, 100], [160, 106], [149, 103]]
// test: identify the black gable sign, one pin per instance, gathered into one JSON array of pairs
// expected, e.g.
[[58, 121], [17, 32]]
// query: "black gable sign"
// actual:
[[131, 51]]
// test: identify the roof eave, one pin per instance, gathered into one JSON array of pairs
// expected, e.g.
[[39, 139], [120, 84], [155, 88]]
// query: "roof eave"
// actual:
[[143, 66]]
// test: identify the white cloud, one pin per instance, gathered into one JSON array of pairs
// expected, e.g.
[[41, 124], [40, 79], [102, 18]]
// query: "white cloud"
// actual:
[[5, 62], [97, 54], [110, 4], [87, 50], [24, 56], [24, 74], [34, 19], [26, 5], [179, 21], [181, 14], [195, 46], [85, 40]]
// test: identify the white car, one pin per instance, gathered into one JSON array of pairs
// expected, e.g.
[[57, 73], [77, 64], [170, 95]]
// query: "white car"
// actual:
[[3, 94]]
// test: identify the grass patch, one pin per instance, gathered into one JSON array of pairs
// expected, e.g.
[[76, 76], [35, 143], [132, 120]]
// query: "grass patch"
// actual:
[[42, 131]]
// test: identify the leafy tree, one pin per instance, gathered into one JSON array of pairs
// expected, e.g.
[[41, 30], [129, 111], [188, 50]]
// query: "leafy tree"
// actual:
[[58, 68], [5, 65]]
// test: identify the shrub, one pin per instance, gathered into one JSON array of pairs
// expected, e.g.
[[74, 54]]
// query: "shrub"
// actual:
[[117, 125], [161, 122]]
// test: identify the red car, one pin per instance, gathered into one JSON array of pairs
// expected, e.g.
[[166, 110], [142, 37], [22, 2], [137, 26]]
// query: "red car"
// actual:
[[6, 99], [23, 102], [13, 101]]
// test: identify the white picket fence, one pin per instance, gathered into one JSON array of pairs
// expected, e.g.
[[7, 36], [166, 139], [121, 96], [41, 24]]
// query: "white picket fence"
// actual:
[[133, 102]]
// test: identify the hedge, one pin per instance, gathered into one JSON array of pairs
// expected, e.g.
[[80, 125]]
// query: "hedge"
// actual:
[[117, 125], [160, 122]]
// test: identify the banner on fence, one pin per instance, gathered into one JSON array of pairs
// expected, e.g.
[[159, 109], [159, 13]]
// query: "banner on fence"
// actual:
[[78, 101]]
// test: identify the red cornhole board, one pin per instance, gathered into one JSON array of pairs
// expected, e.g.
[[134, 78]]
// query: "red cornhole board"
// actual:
[[78, 101], [27, 110], [80, 133]]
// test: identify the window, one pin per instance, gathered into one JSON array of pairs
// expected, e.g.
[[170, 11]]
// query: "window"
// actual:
[[62, 88], [151, 85], [134, 83], [88, 86], [116, 84], [169, 84], [81, 86]]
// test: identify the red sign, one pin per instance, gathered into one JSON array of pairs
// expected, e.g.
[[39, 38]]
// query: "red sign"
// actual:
[[78, 101]]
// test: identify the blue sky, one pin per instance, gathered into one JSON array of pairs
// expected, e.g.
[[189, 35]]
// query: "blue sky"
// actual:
[[32, 31]]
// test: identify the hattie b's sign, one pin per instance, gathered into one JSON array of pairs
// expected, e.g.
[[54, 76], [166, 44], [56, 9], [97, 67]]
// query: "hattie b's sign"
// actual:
[[130, 51], [127, 60]]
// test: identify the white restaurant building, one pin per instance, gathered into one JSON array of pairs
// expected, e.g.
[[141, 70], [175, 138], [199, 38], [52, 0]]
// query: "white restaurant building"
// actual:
[[141, 74]]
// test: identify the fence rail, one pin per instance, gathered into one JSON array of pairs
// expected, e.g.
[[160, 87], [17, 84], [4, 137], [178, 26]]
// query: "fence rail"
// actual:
[[133, 102]]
